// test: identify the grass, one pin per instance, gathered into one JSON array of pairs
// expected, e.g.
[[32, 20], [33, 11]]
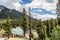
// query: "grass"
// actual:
[[4, 20]]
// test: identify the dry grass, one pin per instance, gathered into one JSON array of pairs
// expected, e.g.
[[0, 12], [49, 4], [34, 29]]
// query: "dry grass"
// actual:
[[14, 38], [17, 38]]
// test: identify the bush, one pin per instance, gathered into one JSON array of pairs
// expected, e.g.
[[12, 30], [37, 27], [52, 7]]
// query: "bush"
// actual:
[[55, 35]]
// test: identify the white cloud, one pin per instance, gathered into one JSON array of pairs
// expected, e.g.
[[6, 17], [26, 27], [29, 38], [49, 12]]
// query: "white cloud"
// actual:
[[17, 5], [43, 17], [35, 3], [43, 4], [8, 3], [14, 4]]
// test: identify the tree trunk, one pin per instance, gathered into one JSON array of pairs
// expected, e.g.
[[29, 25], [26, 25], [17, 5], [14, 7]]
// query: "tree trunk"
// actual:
[[24, 32]]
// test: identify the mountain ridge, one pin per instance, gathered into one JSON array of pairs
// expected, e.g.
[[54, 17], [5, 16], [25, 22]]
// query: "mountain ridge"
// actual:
[[4, 12]]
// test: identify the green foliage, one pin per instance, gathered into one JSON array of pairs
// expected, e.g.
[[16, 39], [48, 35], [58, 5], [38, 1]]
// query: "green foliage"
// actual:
[[8, 21], [53, 23], [55, 35], [48, 28], [40, 30], [8, 25], [24, 20], [34, 24], [56, 21], [47, 38]]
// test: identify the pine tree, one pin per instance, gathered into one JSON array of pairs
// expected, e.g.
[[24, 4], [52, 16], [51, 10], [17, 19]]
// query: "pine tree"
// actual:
[[40, 30], [8, 28], [33, 24], [24, 21], [55, 35], [56, 22], [48, 28], [52, 22], [20, 22], [1, 26]]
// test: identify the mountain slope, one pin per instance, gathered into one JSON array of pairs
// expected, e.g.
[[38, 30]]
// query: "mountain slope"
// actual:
[[4, 12]]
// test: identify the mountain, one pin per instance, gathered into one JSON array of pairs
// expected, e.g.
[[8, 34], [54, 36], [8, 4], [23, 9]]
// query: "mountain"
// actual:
[[4, 12]]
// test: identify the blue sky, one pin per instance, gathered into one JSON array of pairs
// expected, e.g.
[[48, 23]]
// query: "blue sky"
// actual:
[[44, 9], [29, 1], [23, 2], [49, 10], [36, 10]]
